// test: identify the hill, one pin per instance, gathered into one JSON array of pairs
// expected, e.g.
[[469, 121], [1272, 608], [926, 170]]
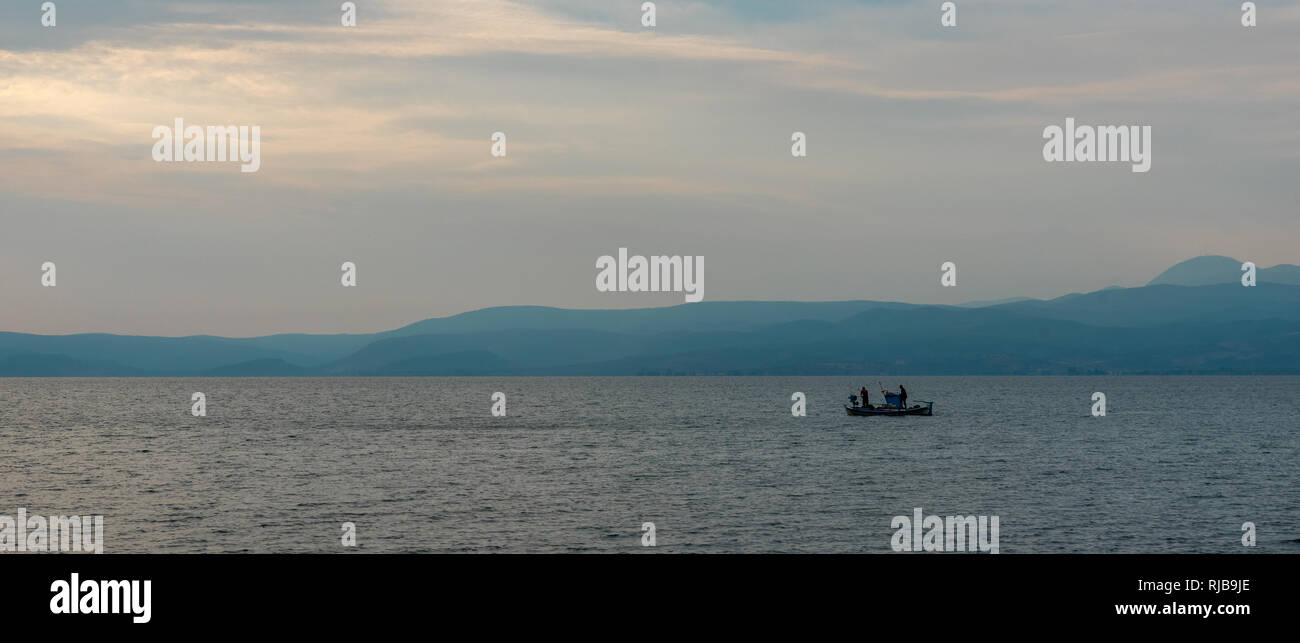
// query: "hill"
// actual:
[[1218, 327], [1217, 269]]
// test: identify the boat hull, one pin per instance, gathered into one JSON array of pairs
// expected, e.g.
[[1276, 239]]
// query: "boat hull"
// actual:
[[927, 409]]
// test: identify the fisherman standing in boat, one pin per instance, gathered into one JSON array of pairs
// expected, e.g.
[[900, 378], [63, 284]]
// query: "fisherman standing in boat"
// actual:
[[864, 396], [902, 397]]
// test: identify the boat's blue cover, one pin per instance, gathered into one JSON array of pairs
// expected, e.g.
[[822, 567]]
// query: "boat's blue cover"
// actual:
[[891, 400]]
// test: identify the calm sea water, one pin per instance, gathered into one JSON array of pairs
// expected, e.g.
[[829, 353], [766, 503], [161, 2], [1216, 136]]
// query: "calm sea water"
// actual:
[[717, 463]]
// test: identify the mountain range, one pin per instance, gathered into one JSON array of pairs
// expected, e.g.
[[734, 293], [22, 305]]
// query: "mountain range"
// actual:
[[1196, 317]]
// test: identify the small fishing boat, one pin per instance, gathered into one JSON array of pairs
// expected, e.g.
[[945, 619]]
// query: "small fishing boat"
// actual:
[[925, 408]]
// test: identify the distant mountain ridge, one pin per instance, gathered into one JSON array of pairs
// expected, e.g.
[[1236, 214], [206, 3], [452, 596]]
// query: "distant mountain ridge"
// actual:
[[1217, 269], [1221, 327], [705, 315]]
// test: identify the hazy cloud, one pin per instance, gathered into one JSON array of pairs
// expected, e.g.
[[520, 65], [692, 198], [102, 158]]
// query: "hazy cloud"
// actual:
[[924, 147]]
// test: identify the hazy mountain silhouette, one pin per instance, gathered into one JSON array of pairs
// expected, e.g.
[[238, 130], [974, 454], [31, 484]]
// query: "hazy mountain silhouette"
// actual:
[[1166, 304], [702, 316], [1217, 269], [995, 302], [45, 365], [270, 367], [1217, 327]]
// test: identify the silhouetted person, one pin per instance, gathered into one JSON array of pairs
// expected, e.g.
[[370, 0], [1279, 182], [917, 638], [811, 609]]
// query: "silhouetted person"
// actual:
[[864, 396], [902, 397], [853, 399]]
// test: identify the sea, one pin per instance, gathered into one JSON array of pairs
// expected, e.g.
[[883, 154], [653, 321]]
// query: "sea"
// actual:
[[1177, 464]]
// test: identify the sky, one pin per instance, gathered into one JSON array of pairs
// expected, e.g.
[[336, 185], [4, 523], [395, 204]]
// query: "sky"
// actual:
[[924, 146]]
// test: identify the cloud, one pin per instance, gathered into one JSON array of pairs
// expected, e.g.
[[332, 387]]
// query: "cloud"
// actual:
[[379, 136]]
